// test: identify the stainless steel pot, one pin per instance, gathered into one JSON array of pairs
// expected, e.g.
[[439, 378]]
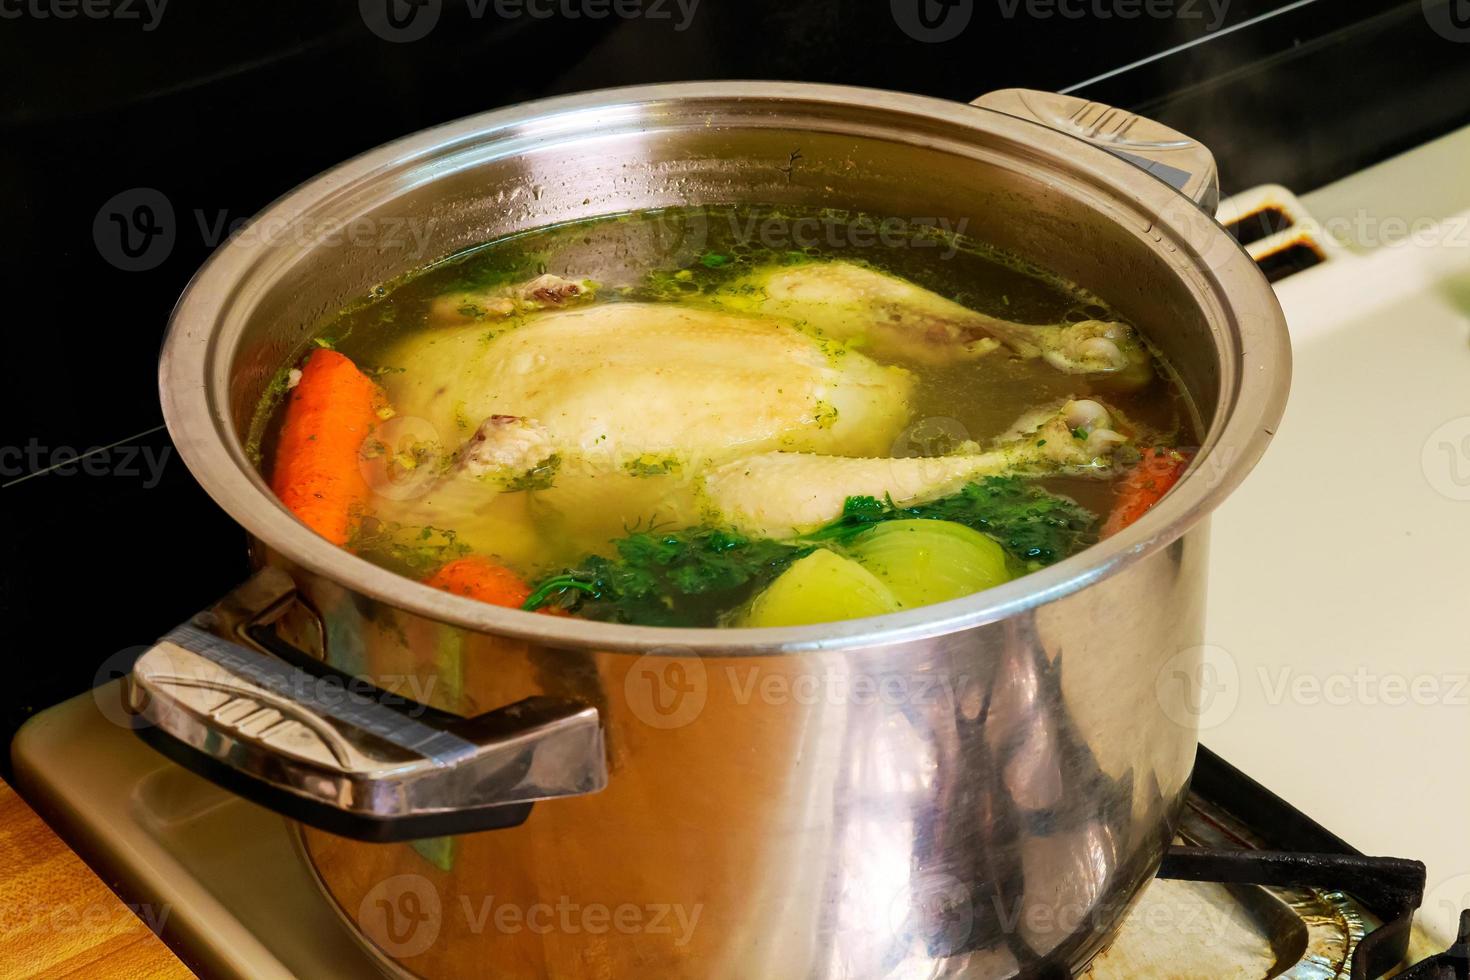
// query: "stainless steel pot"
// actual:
[[977, 789]]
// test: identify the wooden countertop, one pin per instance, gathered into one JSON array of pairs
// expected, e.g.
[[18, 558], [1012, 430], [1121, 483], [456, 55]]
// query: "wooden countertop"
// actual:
[[57, 918]]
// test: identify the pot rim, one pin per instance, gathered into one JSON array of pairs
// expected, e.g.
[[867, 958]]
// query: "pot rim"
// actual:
[[1253, 352]]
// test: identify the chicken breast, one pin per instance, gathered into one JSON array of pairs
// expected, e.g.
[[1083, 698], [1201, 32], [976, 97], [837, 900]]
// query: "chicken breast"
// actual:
[[620, 383]]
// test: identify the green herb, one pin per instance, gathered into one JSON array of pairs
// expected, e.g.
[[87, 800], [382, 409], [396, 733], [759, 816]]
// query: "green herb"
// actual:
[[326, 343], [411, 550], [540, 477], [650, 465], [275, 392], [1035, 526], [688, 577], [677, 578]]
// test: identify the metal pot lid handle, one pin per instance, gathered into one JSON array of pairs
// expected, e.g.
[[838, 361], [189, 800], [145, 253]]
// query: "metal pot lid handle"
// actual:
[[1178, 160], [337, 753]]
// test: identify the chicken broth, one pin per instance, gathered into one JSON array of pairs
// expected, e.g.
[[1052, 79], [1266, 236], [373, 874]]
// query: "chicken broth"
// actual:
[[724, 416]]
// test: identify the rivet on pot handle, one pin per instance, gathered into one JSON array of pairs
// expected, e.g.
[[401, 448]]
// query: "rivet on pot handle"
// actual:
[[1179, 161], [339, 754]]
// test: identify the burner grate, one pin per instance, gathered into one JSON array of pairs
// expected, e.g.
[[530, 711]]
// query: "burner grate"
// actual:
[[1296, 852]]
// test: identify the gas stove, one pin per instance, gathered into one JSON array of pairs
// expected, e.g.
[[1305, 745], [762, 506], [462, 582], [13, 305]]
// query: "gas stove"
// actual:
[[1252, 888], [1332, 665]]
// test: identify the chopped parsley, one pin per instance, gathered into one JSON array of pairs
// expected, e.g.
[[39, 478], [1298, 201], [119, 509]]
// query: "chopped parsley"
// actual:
[[668, 578], [412, 550], [1036, 527], [650, 465], [689, 577], [540, 477]]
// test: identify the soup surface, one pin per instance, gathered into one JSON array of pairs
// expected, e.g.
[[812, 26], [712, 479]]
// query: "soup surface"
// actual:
[[724, 417]]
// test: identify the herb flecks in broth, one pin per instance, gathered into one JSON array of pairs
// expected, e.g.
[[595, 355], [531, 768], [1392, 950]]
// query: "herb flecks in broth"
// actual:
[[563, 386]]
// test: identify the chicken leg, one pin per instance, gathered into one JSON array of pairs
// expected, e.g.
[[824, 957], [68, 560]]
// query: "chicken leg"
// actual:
[[845, 301], [780, 494]]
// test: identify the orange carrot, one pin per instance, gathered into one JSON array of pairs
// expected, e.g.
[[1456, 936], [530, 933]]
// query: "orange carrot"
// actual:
[[1145, 484], [317, 473], [482, 579]]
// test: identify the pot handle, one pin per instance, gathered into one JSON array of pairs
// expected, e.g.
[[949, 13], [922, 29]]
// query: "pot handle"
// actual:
[[1179, 161], [327, 749]]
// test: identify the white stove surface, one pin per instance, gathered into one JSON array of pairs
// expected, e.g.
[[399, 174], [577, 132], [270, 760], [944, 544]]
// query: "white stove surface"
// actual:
[[1339, 608]]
